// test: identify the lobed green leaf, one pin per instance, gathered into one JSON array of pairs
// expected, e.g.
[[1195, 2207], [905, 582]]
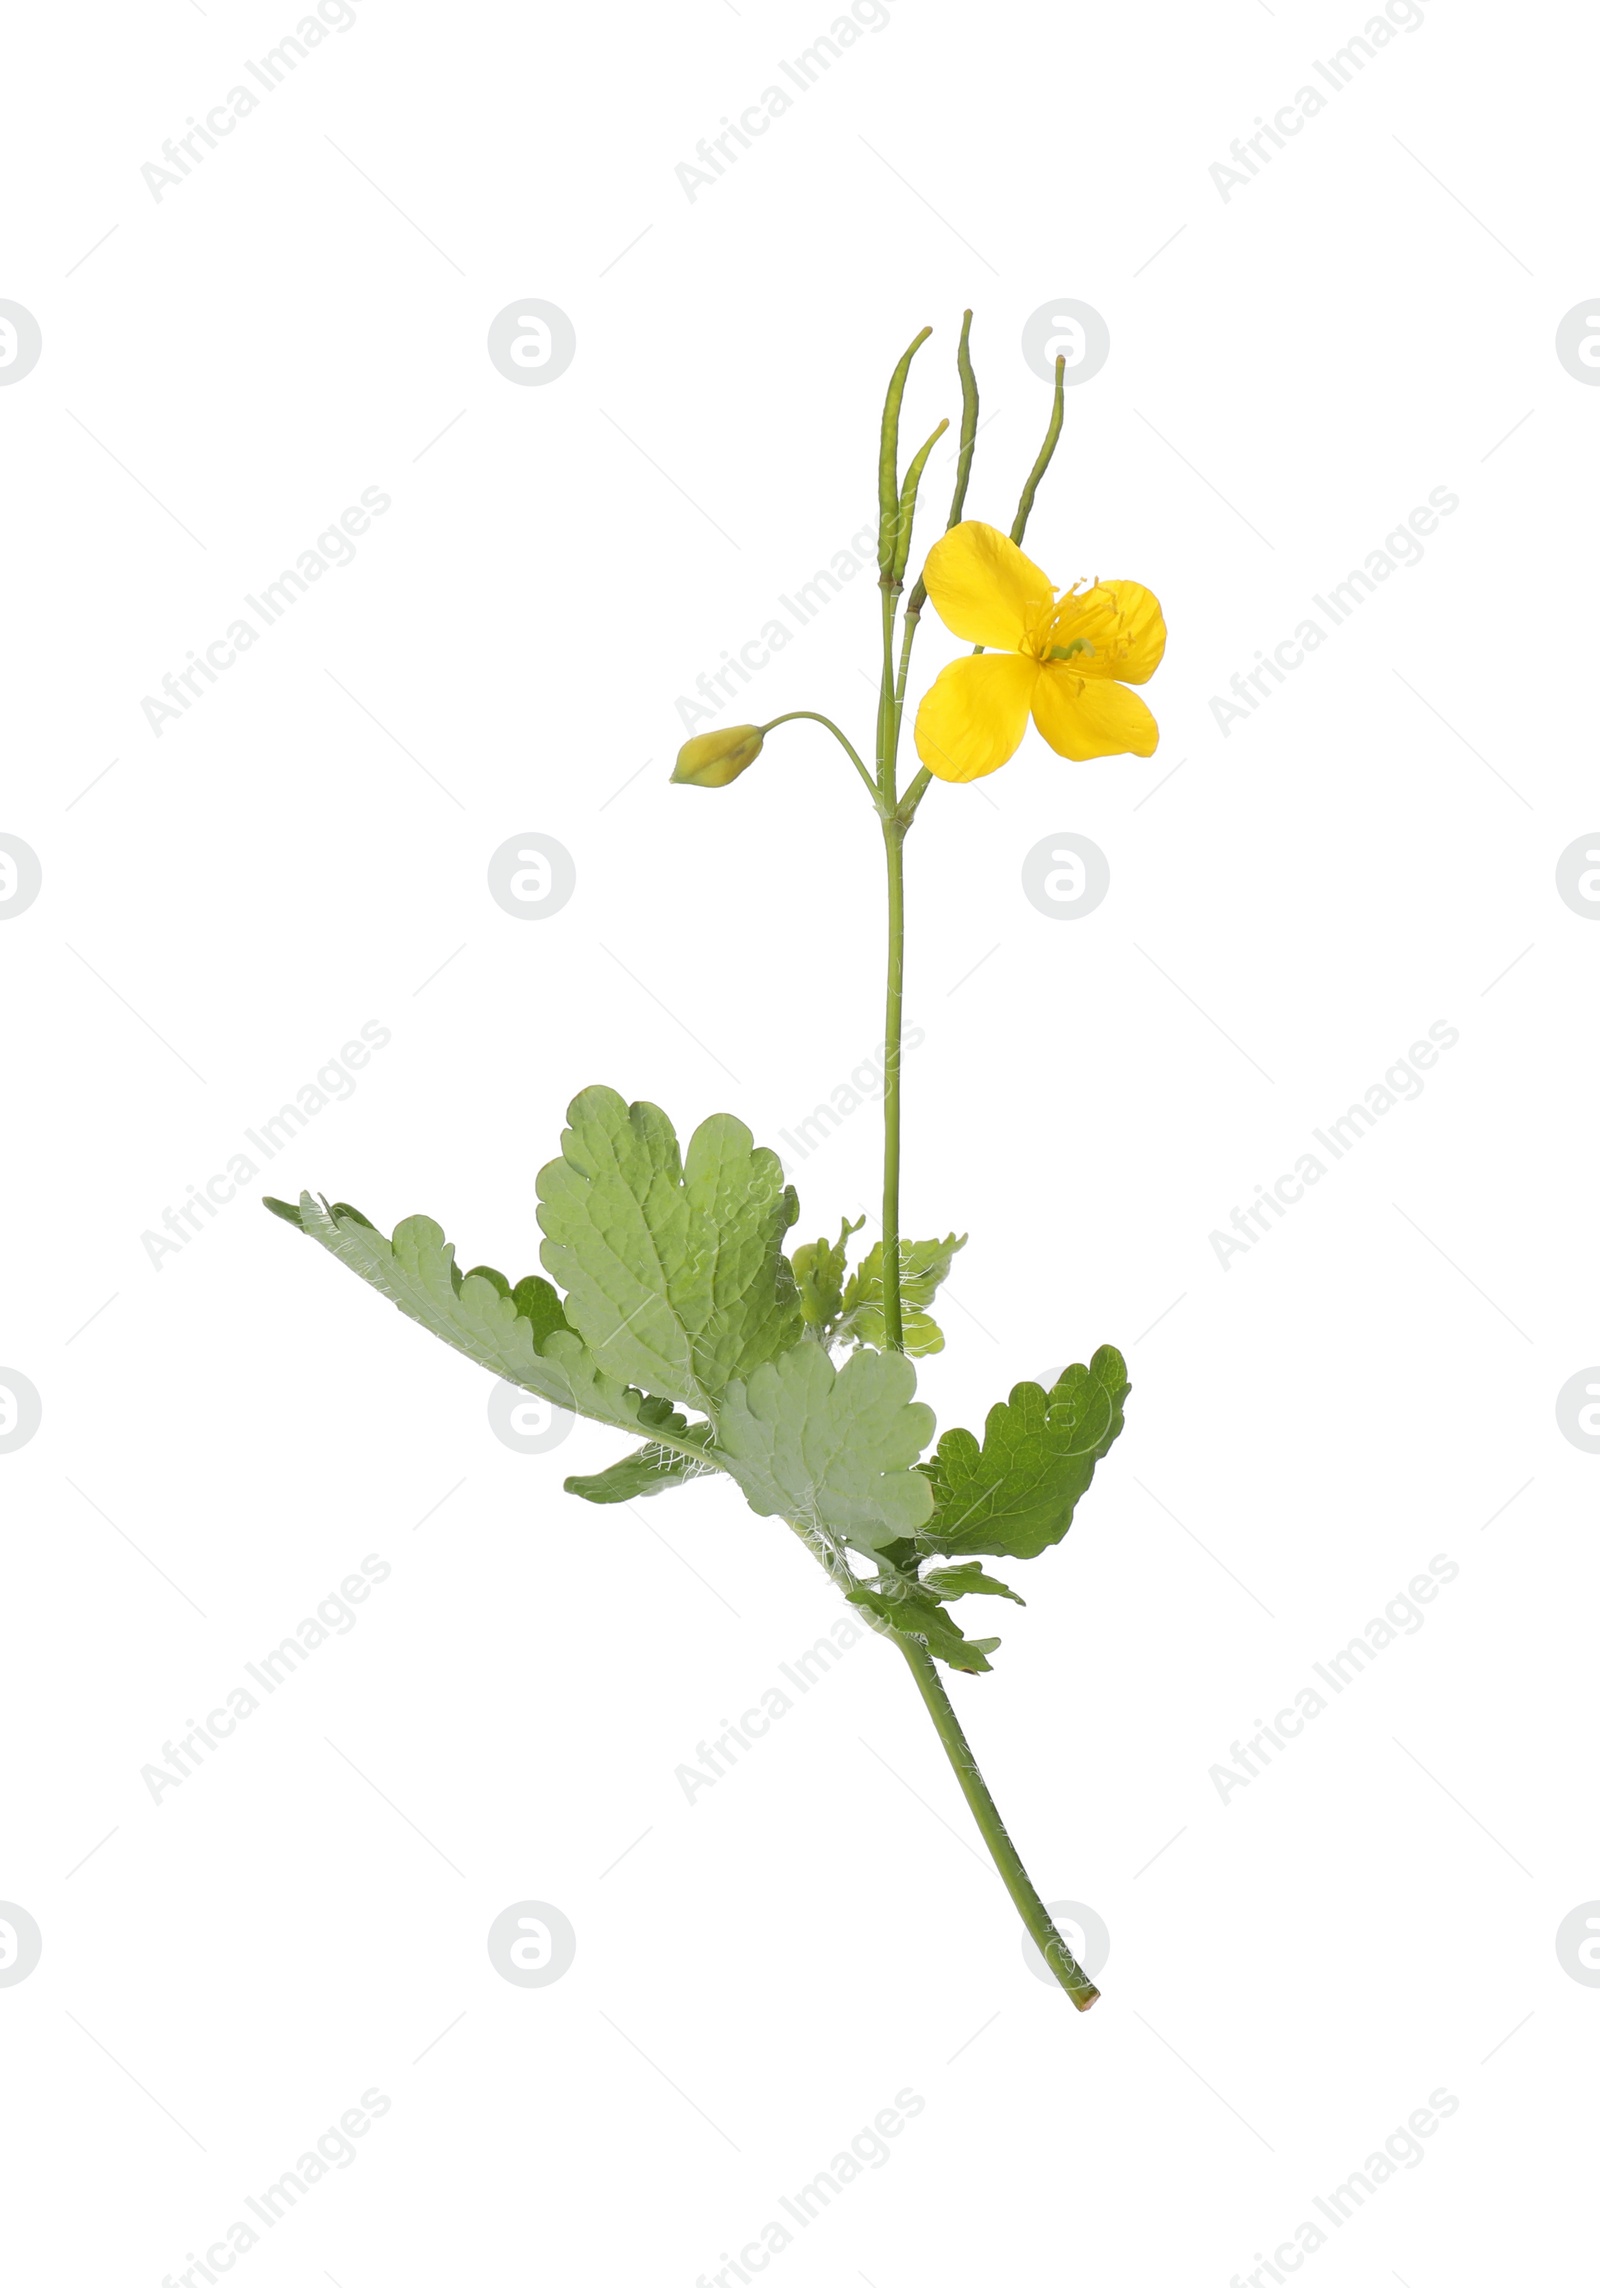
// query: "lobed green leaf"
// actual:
[[650, 1468], [924, 1265], [831, 1447], [949, 1581], [917, 1615], [517, 1332], [673, 1265], [819, 1271], [1015, 1495]]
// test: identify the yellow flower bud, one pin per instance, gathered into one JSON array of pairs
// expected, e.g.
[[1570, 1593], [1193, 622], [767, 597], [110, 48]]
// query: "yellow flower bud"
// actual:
[[717, 757]]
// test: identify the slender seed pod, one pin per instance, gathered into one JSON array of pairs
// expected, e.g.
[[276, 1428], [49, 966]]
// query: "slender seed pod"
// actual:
[[905, 514], [1025, 505], [969, 432], [889, 458]]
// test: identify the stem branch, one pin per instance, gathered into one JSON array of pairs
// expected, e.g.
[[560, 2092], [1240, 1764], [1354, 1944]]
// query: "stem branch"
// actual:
[[809, 715], [913, 795]]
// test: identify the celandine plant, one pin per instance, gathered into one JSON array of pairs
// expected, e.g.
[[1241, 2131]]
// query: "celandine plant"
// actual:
[[676, 1314]]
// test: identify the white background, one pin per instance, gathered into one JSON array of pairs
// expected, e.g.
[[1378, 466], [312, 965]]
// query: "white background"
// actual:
[[1293, 369]]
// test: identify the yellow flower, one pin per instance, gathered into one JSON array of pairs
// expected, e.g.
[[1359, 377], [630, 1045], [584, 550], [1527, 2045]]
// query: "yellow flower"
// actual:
[[1066, 660]]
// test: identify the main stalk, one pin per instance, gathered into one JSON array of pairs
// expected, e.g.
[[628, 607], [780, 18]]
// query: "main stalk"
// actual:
[[897, 507], [894, 844]]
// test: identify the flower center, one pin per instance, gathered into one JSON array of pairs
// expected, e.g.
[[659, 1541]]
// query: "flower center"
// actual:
[[1083, 624]]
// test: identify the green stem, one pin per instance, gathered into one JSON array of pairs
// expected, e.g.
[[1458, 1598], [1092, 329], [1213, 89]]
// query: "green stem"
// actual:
[[1074, 1981], [1068, 1973], [810, 715], [907, 636], [886, 700], [894, 837], [913, 795]]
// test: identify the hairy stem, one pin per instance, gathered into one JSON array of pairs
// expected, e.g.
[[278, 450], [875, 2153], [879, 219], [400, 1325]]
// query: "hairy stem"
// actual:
[[1069, 1975], [1073, 1980], [894, 837]]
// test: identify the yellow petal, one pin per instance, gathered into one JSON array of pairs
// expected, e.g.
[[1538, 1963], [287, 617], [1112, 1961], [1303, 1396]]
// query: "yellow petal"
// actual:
[[1119, 626], [972, 718], [1082, 719], [984, 588]]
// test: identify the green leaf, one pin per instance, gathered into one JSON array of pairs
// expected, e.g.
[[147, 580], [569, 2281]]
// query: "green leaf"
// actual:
[[650, 1468], [819, 1274], [919, 1617], [914, 1610], [674, 1267], [1015, 1495], [519, 1333], [948, 1581], [924, 1263], [831, 1447]]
